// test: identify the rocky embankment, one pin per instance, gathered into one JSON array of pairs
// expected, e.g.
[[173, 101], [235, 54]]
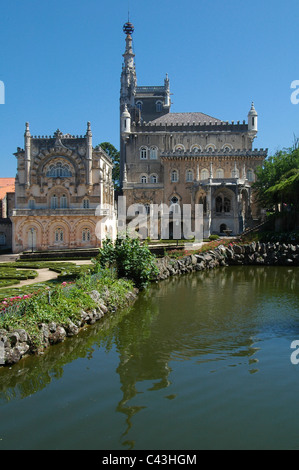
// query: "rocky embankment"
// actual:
[[17, 343], [264, 254]]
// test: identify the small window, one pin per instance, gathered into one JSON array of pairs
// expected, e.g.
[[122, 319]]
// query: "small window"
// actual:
[[139, 105], [223, 204], [54, 202], [204, 174], [31, 204], [143, 153], [63, 202], [179, 148], [219, 173], [153, 153], [158, 106], [189, 176], [219, 204], [226, 204], [59, 235], [86, 235], [154, 179], [86, 203], [174, 176], [250, 175], [143, 179]]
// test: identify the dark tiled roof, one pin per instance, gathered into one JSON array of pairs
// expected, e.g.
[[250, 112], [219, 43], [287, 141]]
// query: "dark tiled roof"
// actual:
[[184, 118]]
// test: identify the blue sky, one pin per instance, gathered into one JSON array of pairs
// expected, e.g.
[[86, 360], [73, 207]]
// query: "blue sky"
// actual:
[[61, 61]]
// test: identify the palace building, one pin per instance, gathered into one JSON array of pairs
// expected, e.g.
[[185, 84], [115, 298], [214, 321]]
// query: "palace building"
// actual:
[[64, 193], [185, 158]]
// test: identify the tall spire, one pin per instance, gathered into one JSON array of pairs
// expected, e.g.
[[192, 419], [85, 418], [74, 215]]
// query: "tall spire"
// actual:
[[128, 76]]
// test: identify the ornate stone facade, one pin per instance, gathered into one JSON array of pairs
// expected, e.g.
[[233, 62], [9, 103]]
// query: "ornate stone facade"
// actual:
[[64, 193], [185, 158]]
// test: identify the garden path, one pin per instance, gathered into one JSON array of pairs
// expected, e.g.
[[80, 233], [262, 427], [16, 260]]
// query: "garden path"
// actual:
[[43, 274]]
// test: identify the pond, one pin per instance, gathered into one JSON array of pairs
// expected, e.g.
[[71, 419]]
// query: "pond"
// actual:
[[201, 361]]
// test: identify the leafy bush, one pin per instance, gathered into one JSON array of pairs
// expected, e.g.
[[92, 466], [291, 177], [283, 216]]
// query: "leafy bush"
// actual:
[[213, 237], [130, 259]]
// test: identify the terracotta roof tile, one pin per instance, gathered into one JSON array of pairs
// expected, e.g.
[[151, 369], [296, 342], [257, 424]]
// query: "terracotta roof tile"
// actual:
[[7, 185]]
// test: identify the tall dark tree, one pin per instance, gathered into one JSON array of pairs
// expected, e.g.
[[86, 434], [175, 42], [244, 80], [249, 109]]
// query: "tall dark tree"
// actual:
[[114, 154]]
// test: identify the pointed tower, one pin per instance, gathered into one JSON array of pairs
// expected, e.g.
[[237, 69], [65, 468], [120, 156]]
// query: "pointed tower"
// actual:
[[127, 95], [128, 75]]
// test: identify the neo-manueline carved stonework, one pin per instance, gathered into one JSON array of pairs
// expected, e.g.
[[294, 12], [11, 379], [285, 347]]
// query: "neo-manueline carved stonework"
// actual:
[[61, 182]]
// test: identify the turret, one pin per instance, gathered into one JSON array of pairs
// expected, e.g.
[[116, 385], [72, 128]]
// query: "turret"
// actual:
[[125, 122], [252, 119]]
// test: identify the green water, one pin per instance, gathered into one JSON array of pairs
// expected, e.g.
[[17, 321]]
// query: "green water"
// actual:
[[199, 362]]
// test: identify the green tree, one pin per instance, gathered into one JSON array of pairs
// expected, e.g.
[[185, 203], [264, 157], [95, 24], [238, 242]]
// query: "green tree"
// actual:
[[114, 154], [278, 179]]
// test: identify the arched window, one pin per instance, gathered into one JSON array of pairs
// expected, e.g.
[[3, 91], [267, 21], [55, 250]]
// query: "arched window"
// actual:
[[204, 174], [59, 235], [154, 179], [227, 148], [179, 148], [2, 239], [219, 173], [226, 204], [59, 170], [86, 237], [174, 176], [143, 153], [158, 106], [250, 175], [63, 202], [143, 179], [139, 105], [189, 176], [153, 153], [219, 204], [210, 148], [54, 201], [195, 148], [223, 204]]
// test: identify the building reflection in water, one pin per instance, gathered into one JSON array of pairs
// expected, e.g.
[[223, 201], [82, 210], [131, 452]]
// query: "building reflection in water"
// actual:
[[216, 317]]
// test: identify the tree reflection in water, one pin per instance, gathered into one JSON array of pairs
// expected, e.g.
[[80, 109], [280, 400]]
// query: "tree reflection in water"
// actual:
[[206, 317]]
